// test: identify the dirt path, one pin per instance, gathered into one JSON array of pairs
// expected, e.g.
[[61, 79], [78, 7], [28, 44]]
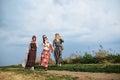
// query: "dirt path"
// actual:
[[88, 75], [81, 75]]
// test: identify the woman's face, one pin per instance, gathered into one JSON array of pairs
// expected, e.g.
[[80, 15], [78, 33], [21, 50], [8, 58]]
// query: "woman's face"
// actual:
[[57, 37], [34, 39], [45, 38]]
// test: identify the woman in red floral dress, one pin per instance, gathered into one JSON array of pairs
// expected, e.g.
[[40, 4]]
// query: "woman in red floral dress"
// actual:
[[45, 56]]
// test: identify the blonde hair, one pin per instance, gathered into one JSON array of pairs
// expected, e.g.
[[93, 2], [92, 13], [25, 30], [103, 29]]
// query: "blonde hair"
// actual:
[[57, 36]]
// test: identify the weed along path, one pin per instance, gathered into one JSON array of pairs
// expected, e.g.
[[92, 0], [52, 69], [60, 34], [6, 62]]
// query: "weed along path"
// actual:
[[88, 75]]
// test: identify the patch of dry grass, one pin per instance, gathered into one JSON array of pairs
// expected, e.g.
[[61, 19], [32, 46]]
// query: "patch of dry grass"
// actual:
[[9, 75], [20, 74]]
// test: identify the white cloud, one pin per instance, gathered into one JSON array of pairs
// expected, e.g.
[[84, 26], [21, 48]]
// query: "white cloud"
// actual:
[[82, 20], [14, 37]]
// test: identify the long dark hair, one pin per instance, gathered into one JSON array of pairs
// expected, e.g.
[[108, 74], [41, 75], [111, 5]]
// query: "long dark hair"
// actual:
[[44, 36]]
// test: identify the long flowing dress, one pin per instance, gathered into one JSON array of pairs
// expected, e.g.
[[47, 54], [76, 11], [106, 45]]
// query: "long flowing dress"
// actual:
[[45, 55], [58, 50], [31, 55]]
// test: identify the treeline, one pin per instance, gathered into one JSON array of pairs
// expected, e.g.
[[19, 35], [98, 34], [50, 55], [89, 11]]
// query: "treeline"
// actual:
[[101, 56]]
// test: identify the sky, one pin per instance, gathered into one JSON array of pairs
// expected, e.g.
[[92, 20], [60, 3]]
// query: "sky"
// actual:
[[83, 24]]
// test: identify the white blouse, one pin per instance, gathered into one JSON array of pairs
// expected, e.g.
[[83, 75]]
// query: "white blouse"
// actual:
[[46, 45]]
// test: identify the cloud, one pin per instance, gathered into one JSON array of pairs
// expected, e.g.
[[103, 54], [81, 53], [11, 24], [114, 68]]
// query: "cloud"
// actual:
[[79, 20], [83, 24]]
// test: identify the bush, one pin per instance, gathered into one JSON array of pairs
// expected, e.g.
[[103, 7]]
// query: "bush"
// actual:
[[87, 58]]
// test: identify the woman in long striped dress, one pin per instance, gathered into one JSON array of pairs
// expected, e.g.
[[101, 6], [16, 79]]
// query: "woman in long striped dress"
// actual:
[[45, 56], [32, 54], [57, 43]]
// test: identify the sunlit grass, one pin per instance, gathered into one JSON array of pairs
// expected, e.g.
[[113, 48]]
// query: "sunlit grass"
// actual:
[[32, 75]]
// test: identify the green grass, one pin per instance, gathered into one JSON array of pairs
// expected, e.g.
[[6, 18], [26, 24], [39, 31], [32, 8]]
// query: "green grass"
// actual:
[[88, 68], [108, 68], [12, 66]]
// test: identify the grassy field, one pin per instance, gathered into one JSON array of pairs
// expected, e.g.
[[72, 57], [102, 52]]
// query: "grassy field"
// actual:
[[108, 68], [16, 72]]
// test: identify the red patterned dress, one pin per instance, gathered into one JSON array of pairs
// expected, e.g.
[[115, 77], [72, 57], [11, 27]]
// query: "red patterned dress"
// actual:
[[45, 56]]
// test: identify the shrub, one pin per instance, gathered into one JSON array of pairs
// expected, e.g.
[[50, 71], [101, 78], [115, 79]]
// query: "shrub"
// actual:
[[88, 58]]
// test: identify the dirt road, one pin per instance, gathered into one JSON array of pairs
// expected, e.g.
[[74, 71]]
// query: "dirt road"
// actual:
[[88, 75], [8, 75]]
